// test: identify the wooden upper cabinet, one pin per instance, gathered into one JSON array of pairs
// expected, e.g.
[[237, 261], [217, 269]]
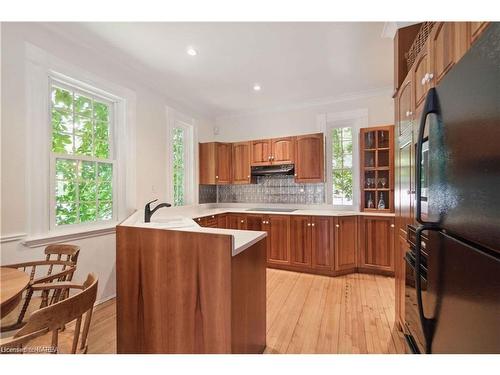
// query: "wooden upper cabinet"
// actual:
[[207, 164], [442, 49], [377, 243], [283, 150], [422, 75], [215, 163], [322, 242], [476, 29], [309, 158], [278, 238], [224, 151], [300, 241], [241, 163], [346, 243], [404, 106], [260, 152]]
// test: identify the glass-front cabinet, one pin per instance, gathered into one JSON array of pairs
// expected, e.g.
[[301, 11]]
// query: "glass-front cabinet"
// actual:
[[377, 168]]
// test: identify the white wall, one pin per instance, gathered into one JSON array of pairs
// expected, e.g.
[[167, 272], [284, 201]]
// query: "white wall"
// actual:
[[98, 253], [303, 119]]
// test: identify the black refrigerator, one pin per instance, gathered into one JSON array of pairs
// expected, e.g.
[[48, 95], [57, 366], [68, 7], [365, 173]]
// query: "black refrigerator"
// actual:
[[454, 288]]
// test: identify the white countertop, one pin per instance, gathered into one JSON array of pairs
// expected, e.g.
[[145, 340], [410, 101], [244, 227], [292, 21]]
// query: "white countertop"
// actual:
[[242, 239]]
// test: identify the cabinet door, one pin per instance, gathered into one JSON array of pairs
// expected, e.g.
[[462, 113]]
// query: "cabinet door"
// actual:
[[421, 71], [399, 275], [236, 221], [278, 234], [405, 190], [254, 222], [322, 244], [261, 152], [283, 150], [346, 242], [476, 29], [462, 39], [207, 163], [241, 163], [309, 158], [377, 243], [223, 175], [222, 221], [404, 106], [300, 240], [442, 49]]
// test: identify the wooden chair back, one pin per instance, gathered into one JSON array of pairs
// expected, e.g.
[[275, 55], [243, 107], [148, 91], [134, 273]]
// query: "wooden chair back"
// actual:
[[53, 318], [58, 251]]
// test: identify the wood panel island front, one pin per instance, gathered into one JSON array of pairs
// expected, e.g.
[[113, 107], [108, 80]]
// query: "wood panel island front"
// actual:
[[189, 290]]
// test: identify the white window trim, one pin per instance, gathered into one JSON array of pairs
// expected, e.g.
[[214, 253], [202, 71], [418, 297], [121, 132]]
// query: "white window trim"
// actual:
[[40, 68], [356, 120], [176, 119]]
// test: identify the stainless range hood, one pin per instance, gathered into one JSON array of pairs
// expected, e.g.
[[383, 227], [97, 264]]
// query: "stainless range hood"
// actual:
[[272, 170]]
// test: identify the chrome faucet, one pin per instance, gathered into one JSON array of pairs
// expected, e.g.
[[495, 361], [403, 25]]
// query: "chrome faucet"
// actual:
[[148, 212]]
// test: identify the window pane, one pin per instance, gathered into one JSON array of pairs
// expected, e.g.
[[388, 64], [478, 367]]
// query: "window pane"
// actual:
[[65, 169], [101, 132], [105, 191], [66, 213], [62, 122], [62, 143], [105, 211], [87, 170], [62, 99], [88, 211], [65, 191], [87, 191], [179, 167], [102, 150], [83, 145], [342, 169], [101, 112], [105, 171], [83, 105]]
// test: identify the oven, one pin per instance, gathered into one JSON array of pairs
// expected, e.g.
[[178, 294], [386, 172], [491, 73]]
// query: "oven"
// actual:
[[414, 334]]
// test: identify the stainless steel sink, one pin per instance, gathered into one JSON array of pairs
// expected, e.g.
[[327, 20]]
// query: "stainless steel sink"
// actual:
[[273, 209]]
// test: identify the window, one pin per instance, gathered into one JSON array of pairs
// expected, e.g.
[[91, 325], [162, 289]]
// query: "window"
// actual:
[[342, 166], [81, 156], [180, 158], [179, 175]]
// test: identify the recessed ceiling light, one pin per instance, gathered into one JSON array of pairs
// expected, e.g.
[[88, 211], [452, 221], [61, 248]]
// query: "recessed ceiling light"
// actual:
[[257, 87], [191, 51]]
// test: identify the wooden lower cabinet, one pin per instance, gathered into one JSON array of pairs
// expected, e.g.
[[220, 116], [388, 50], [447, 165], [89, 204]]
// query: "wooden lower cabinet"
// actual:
[[254, 222], [236, 221], [399, 275], [300, 240], [278, 238], [376, 243], [346, 243], [322, 242], [221, 221]]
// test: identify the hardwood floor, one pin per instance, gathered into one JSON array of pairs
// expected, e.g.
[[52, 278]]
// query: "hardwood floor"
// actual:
[[306, 314]]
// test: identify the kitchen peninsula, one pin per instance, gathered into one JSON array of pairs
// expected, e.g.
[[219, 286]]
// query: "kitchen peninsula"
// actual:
[[186, 289]]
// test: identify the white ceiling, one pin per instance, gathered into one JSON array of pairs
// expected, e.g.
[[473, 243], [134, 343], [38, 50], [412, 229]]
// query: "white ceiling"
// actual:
[[293, 62]]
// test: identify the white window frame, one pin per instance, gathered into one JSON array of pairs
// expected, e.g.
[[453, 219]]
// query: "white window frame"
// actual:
[[356, 120], [40, 68], [111, 101], [176, 119]]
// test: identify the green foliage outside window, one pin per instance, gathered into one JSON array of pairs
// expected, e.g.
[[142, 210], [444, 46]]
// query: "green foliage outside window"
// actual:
[[342, 166], [179, 166], [83, 188]]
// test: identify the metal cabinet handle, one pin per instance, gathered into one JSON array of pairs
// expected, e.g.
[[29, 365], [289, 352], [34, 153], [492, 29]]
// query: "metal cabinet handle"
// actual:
[[295, 174], [248, 176], [430, 76], [242, 221], [213, 216], [337, 225], [392, 225], [308, 224], [312, 224], [216, 176]]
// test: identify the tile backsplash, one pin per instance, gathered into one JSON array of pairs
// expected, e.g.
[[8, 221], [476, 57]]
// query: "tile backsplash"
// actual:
[[267, 189]]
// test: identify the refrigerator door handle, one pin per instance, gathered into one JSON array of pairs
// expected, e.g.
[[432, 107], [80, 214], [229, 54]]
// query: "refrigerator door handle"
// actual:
[[427, 323], [430, 106]]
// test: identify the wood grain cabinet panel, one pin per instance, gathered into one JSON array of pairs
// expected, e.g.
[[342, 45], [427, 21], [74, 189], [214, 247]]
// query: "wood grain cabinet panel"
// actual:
[[254, 222], [300, 241], [278, 235], [207, 163], [241, 163], [346, 243], [377, 243], [235, 221], [406, 184], [442, 49], [399, 275], [404, 106], [421, 75], [222, 221], [261, 152], [224, 151], [309, 158], [322, 242], [476, 29], [283, 150]]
